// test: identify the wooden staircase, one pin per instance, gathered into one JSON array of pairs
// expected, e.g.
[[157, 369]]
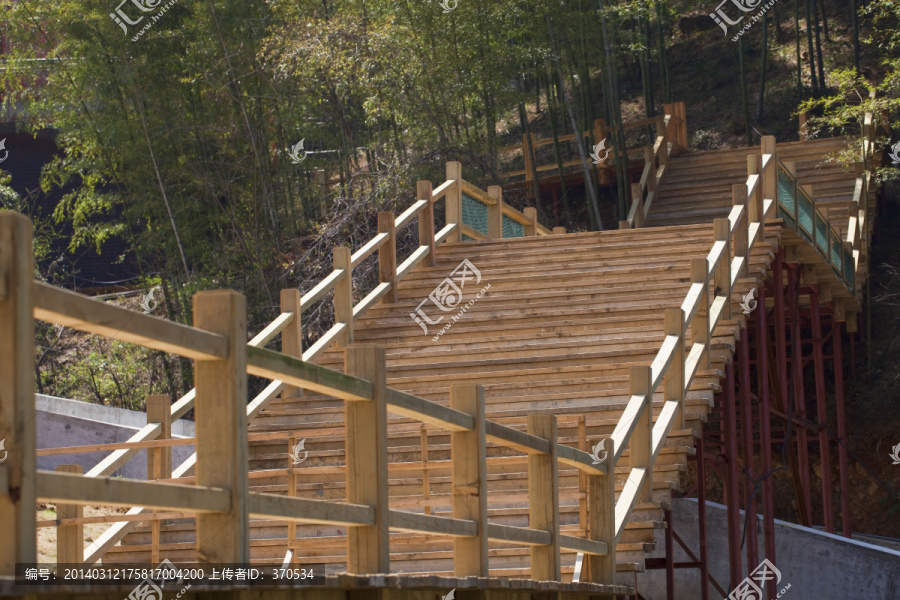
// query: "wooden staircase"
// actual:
[[564, 319]]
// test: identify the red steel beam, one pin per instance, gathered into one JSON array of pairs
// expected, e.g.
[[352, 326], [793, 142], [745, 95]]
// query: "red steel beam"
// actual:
[[822, 410], [670, 556], [732, 500], [843, 460], [765, 429], [799, 400], [747, 443], [701, 515]]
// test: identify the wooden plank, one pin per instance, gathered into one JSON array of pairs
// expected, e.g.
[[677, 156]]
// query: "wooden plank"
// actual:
[[768, 170], [663, 360], [116, 459], [371, 299], [387, 256], [291, 302], [305, 510], [628, 498], [408, 405], [221, 427], [495, 212], [425, 192], [65, 487], [453, 201], [368, 249], [515, 215], [473, 233], [669, 416], [412, 262], [543, 499], [69, 538], [640, 446], [628, 421], [601, 524], [469, 482], [410, 213], [674, 382], [716, 310], [441, 190], [515, 439], [275, 327], [406, 521], [697, 358], [522, 535], [582, 461], [477, 194], [63, 307], [343, 291], [274, 365], [366, 454], [530, 213], [739, 236], [449, 230], [582, 545], [159, 457]]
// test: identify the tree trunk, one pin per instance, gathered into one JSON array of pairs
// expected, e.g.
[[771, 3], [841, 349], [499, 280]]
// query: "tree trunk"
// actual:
[[777, 21], [552, 107], [762, 68], [663, 59], [854, 18], [824, 20], [812, 52], [822, 85], [799, 58], [744, 101]]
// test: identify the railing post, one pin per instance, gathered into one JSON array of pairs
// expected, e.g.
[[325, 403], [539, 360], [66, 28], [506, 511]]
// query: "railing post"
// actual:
[[700, 322], [674, 380], [292, 335], [469, 481], [602, 520], [221, 426], [682, 125], [651, 177], [159, 461], [425, 191], [801, 130], [453, 200], [343, 289], [770, 175], [367, 475], [559, 231], [291, 492], [495, 213], [17, 425], [722, 276], [755, 204], [387, 256], [741, 232], [70, 538], [530, 213], [641, 443], [543, 499], [637, 196], [526, 154]]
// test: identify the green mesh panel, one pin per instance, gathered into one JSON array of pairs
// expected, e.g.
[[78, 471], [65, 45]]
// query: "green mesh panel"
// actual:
[[512, 229], [786, 197], [848, 269], [807, 214], [474, 214], [836, 251], [822, 234], [466, 238]]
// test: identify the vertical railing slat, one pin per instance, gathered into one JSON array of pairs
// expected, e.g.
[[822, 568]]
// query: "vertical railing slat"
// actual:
[[425, 191], [602, 520], [495, 213], [387, 257], [543, 499], [343, 289], [469, 482], [674, 382], [641, 443], [722, 276], [453, 200], [70, 538]]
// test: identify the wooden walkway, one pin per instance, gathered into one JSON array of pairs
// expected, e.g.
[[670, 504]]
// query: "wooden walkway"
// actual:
[[466, 451]]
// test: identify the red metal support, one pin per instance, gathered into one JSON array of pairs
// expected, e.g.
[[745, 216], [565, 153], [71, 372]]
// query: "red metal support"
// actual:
[[670, 556], [822, 411], [799, 399], [701, 515], [732, 475], [747, 437], [844, 462], [765, 431]]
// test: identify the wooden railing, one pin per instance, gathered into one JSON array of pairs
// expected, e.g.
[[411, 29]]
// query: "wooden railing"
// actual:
[[671, 125]]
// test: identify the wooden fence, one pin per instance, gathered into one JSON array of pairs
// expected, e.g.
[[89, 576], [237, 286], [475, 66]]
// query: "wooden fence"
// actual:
[[671, 125]]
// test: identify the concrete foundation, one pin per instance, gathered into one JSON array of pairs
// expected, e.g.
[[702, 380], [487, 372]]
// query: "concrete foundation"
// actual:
[[817, 565]]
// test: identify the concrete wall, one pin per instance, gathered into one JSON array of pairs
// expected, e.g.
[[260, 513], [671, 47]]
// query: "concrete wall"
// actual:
[[62, 422], [817, 565]]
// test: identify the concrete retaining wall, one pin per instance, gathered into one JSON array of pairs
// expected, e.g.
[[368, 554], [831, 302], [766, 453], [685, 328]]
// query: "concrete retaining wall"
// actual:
[[817, 565], [62, 422]]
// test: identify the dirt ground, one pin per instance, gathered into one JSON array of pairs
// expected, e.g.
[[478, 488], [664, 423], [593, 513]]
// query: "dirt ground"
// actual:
[[46, 538]]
